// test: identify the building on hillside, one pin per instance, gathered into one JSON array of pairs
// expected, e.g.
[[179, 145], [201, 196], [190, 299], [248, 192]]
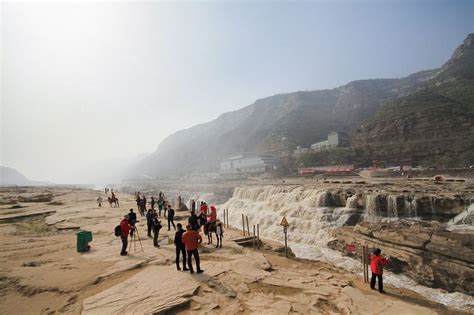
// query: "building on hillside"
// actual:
[[300, 150], [248, 164], [335, 139]]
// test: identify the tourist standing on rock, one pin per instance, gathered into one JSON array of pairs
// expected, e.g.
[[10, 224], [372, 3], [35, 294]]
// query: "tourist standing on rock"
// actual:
[[125, 228], [99, 201], [156, 231], [191, 240], [138, 200], [193, 205], [193, 220], [132, 219], [180, 248], [165, 206], [149, 221], [170, 217], [160, 206], [377, 262], [144, 205]]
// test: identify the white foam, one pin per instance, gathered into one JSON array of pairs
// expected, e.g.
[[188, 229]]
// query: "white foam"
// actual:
[[309, 229]]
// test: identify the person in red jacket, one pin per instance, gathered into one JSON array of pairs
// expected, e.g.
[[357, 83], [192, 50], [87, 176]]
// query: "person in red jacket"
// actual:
[[377, 262], [125, 227], [204, 209], [191, 240]]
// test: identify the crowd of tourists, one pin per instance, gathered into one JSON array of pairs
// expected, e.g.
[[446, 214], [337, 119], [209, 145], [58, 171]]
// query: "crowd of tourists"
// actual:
[[186, 241]]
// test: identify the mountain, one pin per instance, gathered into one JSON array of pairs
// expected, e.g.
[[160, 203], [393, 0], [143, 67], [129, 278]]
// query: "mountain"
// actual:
[[11, 177], [433, 126], [397, 120], [275, 124]]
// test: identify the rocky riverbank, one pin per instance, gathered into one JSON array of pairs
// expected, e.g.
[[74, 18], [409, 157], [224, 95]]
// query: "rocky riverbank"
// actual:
[[43, 273], [433, 257]]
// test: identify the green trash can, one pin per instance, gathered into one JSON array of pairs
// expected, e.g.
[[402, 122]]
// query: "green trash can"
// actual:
[[83, 239]]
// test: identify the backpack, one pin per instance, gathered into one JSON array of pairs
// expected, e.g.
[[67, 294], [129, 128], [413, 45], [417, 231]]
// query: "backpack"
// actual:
[[118, 230]]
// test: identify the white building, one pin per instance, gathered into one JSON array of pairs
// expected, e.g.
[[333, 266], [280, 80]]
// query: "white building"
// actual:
[[300, 150], [335, 139], [248, 163]]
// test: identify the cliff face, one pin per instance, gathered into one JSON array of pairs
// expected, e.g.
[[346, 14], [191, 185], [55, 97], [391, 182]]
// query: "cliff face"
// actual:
[[279, 122], [426, 118], [434, 126], [432, 257]]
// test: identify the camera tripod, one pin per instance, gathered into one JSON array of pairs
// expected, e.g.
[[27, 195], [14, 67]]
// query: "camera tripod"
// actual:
[[134, 237]]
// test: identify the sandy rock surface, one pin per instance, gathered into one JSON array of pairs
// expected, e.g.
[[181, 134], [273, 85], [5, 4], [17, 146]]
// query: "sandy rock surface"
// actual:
[[42, 273]]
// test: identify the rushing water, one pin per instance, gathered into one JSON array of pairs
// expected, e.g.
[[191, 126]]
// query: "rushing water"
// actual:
[[310, 223]]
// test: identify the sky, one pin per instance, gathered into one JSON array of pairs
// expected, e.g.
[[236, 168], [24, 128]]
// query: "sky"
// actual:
[[84, 82]]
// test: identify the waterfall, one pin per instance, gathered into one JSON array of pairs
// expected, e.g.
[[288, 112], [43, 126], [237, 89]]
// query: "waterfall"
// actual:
[[305, 208], [310, 224], [352, 202], [392, 209], [433, 205], [372, 208], [411, 207], [322, 199]]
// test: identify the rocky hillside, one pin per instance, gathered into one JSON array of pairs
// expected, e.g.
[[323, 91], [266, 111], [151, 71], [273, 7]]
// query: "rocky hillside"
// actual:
[[277, 123], [425, 118], [434, 126]]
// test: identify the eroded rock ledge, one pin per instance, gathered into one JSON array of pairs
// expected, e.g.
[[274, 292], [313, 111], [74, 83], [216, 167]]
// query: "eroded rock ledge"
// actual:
[[433, 257]]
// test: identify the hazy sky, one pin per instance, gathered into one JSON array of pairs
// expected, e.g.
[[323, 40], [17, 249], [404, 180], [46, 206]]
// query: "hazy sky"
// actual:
[[84, 82]]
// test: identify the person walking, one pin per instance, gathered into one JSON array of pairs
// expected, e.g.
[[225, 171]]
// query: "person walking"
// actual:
[[377, 262], [191, 240], [180, 248], [99, 201], [125, 228], [170, 217], [153, 202], [149, 221], [156, 231]]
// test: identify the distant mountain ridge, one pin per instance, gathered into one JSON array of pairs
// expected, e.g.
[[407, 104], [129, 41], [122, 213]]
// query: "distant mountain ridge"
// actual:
[[281, 122], [11, 177]]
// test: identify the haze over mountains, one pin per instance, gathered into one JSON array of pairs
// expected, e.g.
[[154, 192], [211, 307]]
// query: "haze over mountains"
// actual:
[[384, 117], [11, 177]]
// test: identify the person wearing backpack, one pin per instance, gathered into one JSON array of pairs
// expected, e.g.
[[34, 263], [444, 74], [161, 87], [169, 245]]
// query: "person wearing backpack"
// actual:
[[125, 229]]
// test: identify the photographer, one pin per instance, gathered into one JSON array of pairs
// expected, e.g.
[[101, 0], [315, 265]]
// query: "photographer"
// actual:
[[125, 228]]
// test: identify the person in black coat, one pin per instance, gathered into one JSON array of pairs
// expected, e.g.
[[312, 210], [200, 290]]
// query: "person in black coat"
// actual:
[[180, 248], [193, 220], [156, 231], [149, 221], [170, 217], [132, 219]]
